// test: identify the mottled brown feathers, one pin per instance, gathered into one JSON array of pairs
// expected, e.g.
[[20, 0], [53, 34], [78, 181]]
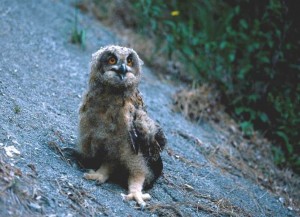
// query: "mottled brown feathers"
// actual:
[[115, 131]]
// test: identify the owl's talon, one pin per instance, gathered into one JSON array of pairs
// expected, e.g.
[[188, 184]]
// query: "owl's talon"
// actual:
[[139, 197], [89, 175], [123, 196], [99, 182], [96, 176], [142, 206]]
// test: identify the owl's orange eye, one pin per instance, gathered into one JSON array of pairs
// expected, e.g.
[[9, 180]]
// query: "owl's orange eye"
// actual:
[[112, 61], [129, 62]]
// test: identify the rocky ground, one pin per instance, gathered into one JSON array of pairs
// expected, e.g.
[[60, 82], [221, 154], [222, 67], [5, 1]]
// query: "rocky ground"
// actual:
[[42, 78]]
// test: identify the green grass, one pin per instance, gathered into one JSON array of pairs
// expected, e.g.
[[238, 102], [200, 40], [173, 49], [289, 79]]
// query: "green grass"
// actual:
[[78, 36], [17, 109]]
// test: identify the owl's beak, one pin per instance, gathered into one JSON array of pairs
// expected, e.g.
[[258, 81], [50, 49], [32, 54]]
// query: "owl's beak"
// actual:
[[122, 70]]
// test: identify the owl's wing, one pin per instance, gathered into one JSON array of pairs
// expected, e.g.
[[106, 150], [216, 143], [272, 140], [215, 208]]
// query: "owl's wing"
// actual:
[[134, 139], [146, 136], [156, 144]]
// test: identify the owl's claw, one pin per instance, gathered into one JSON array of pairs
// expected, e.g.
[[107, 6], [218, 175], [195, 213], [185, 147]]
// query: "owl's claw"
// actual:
[[139, 197], [96, 176]]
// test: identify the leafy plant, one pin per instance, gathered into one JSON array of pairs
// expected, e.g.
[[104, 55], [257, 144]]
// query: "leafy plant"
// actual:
[[78, 36], [17, 109], [248, 50]]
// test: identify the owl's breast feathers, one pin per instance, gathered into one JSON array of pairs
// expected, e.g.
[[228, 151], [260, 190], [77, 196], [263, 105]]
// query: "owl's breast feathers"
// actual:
[[145, 135]]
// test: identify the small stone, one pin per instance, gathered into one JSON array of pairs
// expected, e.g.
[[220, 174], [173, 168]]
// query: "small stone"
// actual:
[[35, 206], [10, 151], [281, 199]]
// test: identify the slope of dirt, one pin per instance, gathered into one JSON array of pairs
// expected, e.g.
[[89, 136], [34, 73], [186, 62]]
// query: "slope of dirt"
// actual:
[[42, 78]]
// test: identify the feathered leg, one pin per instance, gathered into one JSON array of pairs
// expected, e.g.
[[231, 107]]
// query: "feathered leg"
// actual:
[[135, 186]]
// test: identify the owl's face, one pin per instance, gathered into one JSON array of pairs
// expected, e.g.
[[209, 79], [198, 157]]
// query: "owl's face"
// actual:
[[116, 67]]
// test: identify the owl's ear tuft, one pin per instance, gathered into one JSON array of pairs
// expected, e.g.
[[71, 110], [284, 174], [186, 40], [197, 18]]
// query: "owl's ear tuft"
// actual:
[[141, 62], [97, 54]]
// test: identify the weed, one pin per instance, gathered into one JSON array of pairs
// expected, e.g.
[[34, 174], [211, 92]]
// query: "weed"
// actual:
[[247, 50], [78, 36], [17, 109]]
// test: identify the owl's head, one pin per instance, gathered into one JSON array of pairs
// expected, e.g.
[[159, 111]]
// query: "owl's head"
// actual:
[[116, 67]]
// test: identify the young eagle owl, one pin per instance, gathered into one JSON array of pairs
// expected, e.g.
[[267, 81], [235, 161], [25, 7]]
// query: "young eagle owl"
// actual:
[[116, 136]]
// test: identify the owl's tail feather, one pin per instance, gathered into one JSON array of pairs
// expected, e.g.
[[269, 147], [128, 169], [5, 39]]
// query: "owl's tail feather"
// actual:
[[160, 138], [155, 167], [82, 161]]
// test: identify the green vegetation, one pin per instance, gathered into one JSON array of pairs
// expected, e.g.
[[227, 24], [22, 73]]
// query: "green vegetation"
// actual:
[[17, 109], [77, 35], [248, 49]]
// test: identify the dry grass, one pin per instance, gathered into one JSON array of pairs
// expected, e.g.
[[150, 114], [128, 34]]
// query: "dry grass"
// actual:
[[249, 158], [18, 194], [198, 104], [81, 201], [208, 204]]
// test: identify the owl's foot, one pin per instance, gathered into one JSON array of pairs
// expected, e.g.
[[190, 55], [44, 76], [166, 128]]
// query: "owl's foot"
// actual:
[[138, 196], [101, 175], [93, 175], [135, 186]]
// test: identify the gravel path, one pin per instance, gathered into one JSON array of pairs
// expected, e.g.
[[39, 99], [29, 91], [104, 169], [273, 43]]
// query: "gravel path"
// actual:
[[42, 77]]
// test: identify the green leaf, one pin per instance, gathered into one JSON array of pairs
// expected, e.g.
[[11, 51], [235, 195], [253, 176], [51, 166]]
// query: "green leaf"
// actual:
[[187, 50], [223, 45], [231, 57], [239, 110], [278, 155], [264, 60], [170, 23], [283, 136], [263, 117], [253, 97], [244, 24], [247, 127]]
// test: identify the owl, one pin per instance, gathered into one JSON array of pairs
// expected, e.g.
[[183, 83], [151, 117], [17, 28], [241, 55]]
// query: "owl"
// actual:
[[117, 138]]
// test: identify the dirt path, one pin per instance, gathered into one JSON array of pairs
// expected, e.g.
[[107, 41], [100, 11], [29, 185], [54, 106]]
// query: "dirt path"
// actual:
[[42, 77]]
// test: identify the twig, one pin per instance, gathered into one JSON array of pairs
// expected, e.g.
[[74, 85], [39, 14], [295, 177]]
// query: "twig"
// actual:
[[10, 184], [58, 150], [189, 137]]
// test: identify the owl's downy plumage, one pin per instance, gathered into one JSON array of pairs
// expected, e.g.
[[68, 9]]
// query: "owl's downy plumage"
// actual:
[[117, 138]]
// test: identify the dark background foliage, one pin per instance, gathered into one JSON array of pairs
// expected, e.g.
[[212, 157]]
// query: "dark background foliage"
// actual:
[[249, 50]]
